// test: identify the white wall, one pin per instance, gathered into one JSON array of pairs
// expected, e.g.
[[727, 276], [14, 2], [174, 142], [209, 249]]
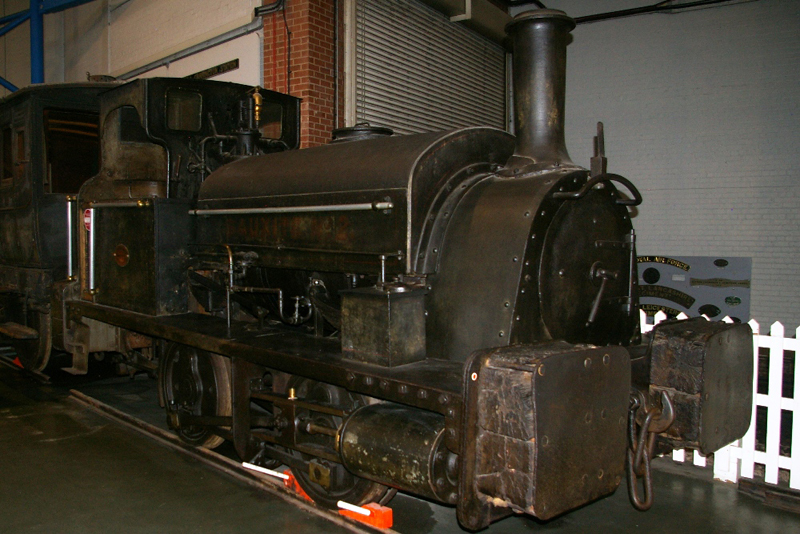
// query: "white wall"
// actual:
[[247, 49], [702, 112], [117, 36]]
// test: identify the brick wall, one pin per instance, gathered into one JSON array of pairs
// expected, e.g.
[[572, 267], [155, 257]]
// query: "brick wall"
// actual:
[[312, 64], [702, 112]]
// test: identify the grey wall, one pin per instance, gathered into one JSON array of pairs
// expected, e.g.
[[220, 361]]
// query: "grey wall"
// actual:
[[702, 112]]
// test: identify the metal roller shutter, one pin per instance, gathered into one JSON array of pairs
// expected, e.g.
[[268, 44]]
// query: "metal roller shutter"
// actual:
[[418, 72]]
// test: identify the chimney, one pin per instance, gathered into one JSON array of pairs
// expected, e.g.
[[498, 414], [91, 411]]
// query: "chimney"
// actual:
[[540, 65]]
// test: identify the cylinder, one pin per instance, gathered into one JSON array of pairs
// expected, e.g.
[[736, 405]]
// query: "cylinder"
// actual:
[[401, 447], [540, 65]]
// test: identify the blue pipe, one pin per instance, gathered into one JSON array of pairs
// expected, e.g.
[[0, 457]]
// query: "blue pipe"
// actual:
[[37, 42], [8, 85], [19, 19], [9, 18]]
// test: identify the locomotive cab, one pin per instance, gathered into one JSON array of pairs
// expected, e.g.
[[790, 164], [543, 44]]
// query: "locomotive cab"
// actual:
[[160, 139], [49, 145]]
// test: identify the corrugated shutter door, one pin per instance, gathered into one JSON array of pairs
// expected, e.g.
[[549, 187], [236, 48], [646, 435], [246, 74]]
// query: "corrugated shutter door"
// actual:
[[418, 72]]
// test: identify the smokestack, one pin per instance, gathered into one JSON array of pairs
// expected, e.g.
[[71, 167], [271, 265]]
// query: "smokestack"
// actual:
[[540, 67]]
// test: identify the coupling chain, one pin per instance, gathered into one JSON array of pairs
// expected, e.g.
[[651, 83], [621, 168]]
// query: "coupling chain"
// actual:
[[641, 444]]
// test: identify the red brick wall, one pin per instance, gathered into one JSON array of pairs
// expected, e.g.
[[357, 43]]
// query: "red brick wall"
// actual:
[[312, 43]]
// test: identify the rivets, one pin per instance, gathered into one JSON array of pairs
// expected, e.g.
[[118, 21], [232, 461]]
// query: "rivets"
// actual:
[[443, 399], [600, 473], [506, 304], [606, 359], [422, 394], [541, 370], [368, 381], [384, 385], [403, 389], [351, 377], [587, 363], [588, 417], [545, 441], [527, 214], [501, 333], [515, 259], [603, 414], [561, 273]]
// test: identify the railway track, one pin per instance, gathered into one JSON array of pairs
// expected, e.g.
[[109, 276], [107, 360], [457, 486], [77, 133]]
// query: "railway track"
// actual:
[[218, 462]]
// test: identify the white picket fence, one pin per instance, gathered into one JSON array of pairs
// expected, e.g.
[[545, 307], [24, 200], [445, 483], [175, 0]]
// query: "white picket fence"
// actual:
[[739, 459]]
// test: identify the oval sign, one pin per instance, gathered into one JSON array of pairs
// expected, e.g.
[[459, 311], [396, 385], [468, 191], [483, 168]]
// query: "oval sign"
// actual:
[[721, 262], [709, 310], [87, 219], [733, 301]]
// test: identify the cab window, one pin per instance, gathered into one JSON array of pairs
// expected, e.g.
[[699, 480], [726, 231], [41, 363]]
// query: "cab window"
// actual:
[[271, 120], [72, 145], [184, 110]]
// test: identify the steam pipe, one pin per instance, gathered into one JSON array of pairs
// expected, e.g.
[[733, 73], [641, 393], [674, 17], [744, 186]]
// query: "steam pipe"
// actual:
[[540, 66]]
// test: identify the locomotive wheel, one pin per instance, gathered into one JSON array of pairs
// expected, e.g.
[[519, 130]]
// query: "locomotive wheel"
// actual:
[[341, 485], [35, 353], [195, 382]]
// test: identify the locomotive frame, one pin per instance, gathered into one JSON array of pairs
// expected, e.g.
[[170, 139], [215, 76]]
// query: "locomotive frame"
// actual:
[[472, 291]]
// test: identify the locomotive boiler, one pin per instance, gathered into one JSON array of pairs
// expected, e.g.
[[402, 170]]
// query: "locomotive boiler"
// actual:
[[451, 314]]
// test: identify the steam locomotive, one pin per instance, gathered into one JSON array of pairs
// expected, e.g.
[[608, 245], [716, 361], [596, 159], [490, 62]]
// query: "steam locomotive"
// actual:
[[451, 314]]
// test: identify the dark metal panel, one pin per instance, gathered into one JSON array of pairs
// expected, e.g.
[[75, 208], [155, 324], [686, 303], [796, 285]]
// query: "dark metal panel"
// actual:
[[373, 164], [473, 295], [417, 173], [546, 429], [141, 256]]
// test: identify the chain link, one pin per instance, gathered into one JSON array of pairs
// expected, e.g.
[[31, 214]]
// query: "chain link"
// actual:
[[641, 443]]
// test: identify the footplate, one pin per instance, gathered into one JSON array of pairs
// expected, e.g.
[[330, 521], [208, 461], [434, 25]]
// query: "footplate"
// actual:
[[546, 429]]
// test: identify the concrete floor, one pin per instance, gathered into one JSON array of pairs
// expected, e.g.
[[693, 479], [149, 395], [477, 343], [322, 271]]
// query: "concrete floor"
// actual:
[[66, 469]]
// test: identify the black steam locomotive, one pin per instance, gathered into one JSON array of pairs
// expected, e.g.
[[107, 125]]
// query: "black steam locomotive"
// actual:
[[451, 314]]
